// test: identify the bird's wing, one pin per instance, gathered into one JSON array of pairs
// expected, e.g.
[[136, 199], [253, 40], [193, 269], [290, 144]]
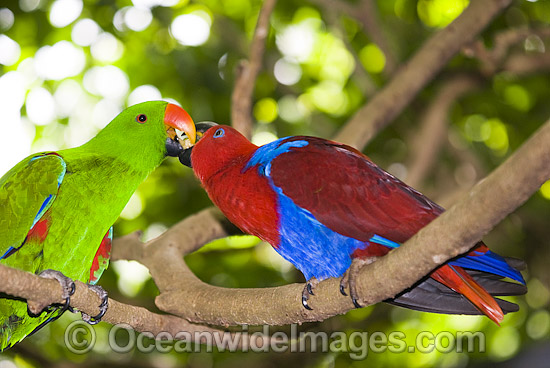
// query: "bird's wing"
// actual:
[[26, 192], [347, 192]]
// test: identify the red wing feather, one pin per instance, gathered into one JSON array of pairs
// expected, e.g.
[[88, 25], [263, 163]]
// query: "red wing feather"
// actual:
[[348, 193]]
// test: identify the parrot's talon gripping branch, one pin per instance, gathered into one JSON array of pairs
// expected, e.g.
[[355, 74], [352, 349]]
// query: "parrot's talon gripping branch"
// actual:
[[67, 285], [92, 320], [308, 290], [349, 278], [344, 281]]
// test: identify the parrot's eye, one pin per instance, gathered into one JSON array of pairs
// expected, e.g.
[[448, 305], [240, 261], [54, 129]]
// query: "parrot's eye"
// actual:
[[141, 118], [219, 133]]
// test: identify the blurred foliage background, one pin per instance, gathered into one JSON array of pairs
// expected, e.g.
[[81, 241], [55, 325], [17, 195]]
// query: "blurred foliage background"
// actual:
[[67, 67]]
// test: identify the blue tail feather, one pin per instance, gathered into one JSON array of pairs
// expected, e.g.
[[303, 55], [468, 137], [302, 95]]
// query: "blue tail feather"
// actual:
[[486, 262], [489, 262]]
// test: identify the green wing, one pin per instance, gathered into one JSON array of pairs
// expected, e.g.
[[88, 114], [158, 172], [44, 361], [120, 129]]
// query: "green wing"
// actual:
[[26, 193]]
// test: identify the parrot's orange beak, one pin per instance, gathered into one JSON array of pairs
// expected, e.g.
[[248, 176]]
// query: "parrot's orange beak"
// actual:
[[177, 119]]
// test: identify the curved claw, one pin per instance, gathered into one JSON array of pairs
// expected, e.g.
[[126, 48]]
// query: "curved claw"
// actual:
[[304, 303], [92, 320], [356, 303], [343, 290], [309, 288], [66, 283], [344, 281]]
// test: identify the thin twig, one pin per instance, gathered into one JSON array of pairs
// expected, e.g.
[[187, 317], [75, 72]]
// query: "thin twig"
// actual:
[[241, 99], [492, 60]]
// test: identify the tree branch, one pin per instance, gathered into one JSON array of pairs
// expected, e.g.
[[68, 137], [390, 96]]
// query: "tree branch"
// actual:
[[521, 64], [453, 233], [433, 131], [247, 72], [492, 60], [419, 71], [40, 292]]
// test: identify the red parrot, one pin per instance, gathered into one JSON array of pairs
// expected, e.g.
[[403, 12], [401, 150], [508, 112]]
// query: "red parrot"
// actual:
[[324, 206]]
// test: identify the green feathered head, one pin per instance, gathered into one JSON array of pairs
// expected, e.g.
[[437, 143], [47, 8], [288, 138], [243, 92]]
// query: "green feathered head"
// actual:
[[144, 134]]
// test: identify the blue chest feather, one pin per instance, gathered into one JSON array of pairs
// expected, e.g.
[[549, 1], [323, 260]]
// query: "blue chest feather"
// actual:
[[313, 248]]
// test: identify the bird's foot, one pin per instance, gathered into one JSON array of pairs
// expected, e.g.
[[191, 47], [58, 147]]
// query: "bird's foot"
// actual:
[[308, 290], [92, 320], [348, 279], [67, 285]]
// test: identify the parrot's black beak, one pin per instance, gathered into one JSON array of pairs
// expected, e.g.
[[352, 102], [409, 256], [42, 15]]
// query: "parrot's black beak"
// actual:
[[185, 154], [173, 147]]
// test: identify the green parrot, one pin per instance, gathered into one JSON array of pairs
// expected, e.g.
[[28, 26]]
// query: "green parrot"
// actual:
[[57, 208]]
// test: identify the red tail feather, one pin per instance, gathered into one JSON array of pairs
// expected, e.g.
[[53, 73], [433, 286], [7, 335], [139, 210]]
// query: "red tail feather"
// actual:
[[460, 281]]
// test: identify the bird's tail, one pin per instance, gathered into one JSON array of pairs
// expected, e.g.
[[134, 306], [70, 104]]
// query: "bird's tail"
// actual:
[[464, 285], [452, 289], [16, 323], [457, 279]]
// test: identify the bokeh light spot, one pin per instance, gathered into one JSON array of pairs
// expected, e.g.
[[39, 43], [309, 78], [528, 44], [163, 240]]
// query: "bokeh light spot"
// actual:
[[539, 294], [107, 81], [40, 106], [133, 208], [287, 72], [59, 61], [107, 48], [85, 32], [29, 5], [329, 97], [12, 91], [473, 128], [144, 93], [104, 111], [6, 19], [372, 58], [265, 110], [538, 325], [545, 190], [296, 41], [191, 29], [64, 12], [10, 51], [152, 3], [505, 343], [439, 13], [138, 19], [261, 138], [131, 276], [496, 135], [518, 97], [67, 96], [291, 109]]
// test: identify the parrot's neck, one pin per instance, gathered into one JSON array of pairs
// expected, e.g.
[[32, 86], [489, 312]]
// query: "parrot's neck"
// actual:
[[108, 172], [141, 157]]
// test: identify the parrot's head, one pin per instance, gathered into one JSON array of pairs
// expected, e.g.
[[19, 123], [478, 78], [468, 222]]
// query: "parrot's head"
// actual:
[[217, 146], [147, 132]]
